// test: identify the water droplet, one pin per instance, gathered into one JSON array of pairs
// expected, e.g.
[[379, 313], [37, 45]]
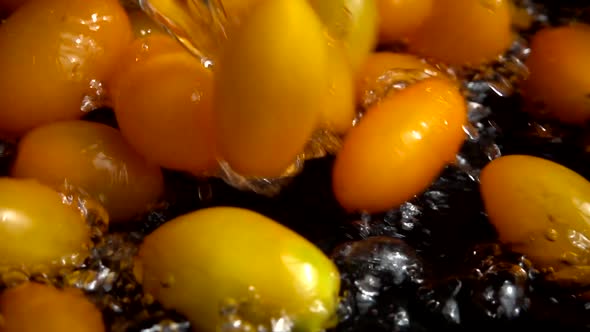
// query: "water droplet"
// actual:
[[551, 234]]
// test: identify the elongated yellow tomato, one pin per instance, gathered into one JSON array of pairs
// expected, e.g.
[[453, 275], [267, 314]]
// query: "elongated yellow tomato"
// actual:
[[269, 88], [56, 48], [381, 69], [400, 146], [163, 103], [352, 23], [339, 108], [559, 82], [33, 307], [90, 158], [464, 32], [398, 18], [198, 261], [540, 208], [36, 227]]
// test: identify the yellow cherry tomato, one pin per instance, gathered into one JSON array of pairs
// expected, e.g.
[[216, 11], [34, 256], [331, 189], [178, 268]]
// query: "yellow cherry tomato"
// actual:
[[163, 105], [33, 307], [464, 32], [540, 208], [142, 24], [198, 261], [339, 107], [381, 67], [36, 227], [400, 146], [353, 23], [93, 159], [269, 88], [559, 82], [397, 18], [56, 48]]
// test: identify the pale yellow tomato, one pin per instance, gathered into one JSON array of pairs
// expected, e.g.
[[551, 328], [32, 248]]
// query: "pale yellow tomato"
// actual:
[[540, 208], [400, 146], [559, 82], [36, 227], [269, 88], [199, 261], [163, 103], [464, 32], [33, 307], [56, 48], [93, 159], [353, 24], [398, 18]]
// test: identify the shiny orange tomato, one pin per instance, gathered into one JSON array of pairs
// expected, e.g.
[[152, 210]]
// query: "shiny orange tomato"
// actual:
[[93, 159], [559, 82], [464, 32], [400, 146], [33, 307], [163, 102], [56, 48]]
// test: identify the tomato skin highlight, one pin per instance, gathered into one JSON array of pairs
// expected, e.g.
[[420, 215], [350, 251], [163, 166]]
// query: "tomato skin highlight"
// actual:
[[400, 146]]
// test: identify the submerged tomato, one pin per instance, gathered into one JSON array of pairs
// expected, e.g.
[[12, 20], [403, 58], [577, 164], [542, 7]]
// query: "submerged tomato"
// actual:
[[33, 307], [201, 260], [540, 208], [90, 158], [269, 88], [56, 48], [36, 227], [400, 146], [559, 82]]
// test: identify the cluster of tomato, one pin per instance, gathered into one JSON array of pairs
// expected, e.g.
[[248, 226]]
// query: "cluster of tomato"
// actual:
[[286, 69]]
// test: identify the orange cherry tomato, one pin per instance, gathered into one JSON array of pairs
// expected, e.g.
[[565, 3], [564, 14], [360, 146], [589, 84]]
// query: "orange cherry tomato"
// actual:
[[559, 82], [163, 104], [56, 48], [397, 18], [400, 146], [464, 32], [93, 159], [33, 307]]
